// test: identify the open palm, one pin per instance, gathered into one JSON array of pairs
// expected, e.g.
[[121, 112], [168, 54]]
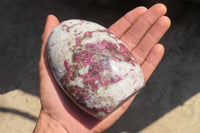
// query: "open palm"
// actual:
[[140, 29]]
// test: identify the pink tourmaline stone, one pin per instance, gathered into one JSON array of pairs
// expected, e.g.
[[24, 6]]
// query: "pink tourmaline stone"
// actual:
[[92, 66]]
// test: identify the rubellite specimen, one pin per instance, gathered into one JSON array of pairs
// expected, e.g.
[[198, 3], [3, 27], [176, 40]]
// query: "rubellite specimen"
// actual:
[[92, 66]]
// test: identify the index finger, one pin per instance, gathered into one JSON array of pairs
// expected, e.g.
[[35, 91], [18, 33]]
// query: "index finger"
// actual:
[[124, 23]]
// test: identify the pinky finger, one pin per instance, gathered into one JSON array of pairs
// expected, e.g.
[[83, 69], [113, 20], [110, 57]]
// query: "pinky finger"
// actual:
[[152, 60]]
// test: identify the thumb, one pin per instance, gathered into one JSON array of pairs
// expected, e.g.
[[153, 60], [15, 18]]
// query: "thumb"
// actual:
[[51, 22]]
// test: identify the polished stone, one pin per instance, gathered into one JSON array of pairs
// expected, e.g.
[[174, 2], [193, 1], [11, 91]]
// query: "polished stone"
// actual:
[[94, 68]]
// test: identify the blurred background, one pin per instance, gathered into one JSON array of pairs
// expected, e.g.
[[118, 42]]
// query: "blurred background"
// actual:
[[170, 101]]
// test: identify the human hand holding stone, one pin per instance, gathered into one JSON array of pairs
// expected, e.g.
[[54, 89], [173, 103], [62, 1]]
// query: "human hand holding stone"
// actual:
[[140, 29]]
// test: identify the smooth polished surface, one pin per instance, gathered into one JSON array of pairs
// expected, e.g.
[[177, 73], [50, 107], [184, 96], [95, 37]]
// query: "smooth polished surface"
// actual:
[[93, 67]]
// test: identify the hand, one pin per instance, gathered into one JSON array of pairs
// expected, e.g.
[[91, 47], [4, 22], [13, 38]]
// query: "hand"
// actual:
[[140, 29]]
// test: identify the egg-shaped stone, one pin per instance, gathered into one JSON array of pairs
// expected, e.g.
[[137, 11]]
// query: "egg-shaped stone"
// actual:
[[93, 67]]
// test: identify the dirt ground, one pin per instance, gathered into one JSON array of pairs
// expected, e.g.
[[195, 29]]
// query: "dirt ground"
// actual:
[[170, 101]]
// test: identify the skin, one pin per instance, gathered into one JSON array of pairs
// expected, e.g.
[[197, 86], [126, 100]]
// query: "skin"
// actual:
[[140, 29]]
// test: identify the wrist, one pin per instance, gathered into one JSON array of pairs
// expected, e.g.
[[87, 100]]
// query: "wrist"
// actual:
[[46, 124]]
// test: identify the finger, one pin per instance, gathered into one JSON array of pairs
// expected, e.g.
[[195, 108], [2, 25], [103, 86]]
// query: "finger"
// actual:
[[142, 25], [151, 39], [152, 60], [124, 23], [51, 22]]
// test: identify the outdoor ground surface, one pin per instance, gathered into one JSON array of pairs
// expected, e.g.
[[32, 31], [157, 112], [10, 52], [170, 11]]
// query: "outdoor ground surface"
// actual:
[[169, 103]]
